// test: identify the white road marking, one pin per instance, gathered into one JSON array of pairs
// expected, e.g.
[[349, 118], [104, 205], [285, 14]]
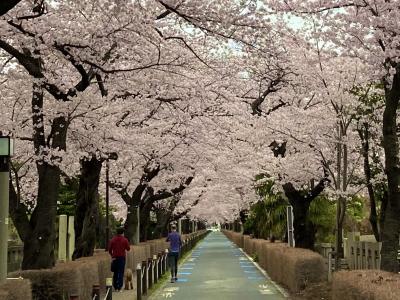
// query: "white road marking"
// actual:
[[168, 295], [267, 292]]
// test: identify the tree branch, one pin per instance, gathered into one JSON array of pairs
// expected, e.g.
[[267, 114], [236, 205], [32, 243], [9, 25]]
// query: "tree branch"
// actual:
[[164, 194], [6, 5], [28, 62]]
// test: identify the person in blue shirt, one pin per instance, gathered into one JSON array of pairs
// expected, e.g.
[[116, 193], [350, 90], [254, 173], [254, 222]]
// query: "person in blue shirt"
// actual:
[[175, 242]]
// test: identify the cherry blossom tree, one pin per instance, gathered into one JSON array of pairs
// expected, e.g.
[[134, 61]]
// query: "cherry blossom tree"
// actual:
[[366, 30], [55, 63]]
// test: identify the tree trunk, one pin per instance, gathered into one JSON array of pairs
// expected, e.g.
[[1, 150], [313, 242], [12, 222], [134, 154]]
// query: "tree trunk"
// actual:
[[134, 201], [163, 218], [131, 224], [340, 214], [373, 216], [186, 226], [87, 208], [145, 210], [384, 204], [390, 233], [390, 239], [39, 243], [304, 229]]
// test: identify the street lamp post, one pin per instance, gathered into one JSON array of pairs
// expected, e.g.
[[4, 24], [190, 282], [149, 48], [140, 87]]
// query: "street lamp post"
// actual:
[[6, 151]]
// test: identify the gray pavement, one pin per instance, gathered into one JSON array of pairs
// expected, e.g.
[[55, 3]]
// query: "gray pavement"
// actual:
[[217, 269], [124, 295]]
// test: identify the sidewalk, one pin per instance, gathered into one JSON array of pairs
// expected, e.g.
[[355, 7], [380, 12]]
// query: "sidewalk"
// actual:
[[124, 295], [217, 269]]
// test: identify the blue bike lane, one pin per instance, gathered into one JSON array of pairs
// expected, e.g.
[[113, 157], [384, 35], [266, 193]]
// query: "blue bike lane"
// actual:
[[218, 269]]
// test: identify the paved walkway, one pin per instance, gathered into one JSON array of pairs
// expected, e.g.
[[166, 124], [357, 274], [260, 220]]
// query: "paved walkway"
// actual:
[[218, 270], [124, 295]]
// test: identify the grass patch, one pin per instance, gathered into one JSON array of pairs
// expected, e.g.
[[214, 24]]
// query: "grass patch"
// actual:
[[254, 257], [161, 282]]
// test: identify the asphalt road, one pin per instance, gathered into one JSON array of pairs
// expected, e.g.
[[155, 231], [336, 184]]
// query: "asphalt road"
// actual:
[[217, 269]]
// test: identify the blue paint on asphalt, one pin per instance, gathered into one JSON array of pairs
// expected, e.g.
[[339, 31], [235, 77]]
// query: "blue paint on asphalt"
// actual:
[[240, 280], [254, 272]]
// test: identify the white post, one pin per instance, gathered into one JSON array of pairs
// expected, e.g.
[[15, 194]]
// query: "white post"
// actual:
[[290, 229], [345, 247], [329, 266], [4, 203], [71, 236], [6, 151], [62, 238], [180, 226]]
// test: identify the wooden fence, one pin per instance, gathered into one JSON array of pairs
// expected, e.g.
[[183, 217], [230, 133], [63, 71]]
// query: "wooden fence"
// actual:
[[360, 251], [363, 252]]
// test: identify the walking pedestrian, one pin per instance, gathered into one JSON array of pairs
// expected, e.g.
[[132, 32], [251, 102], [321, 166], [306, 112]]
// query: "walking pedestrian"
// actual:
[[117, 249], [175, 241]]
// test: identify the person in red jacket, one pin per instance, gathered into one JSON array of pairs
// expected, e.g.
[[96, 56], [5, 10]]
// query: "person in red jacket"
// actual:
[[117, 249]]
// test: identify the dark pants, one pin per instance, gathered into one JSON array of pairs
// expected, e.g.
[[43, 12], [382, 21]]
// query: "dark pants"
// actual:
[[173, 263], [119, 267]]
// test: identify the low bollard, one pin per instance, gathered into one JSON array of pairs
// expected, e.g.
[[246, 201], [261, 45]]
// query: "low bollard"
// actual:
[[96, 292], [150, 276], [151, 270], [166, 265], [162, 263], [144, 277], [139, 279], [108, 289], [159, 265], [155, 268]]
